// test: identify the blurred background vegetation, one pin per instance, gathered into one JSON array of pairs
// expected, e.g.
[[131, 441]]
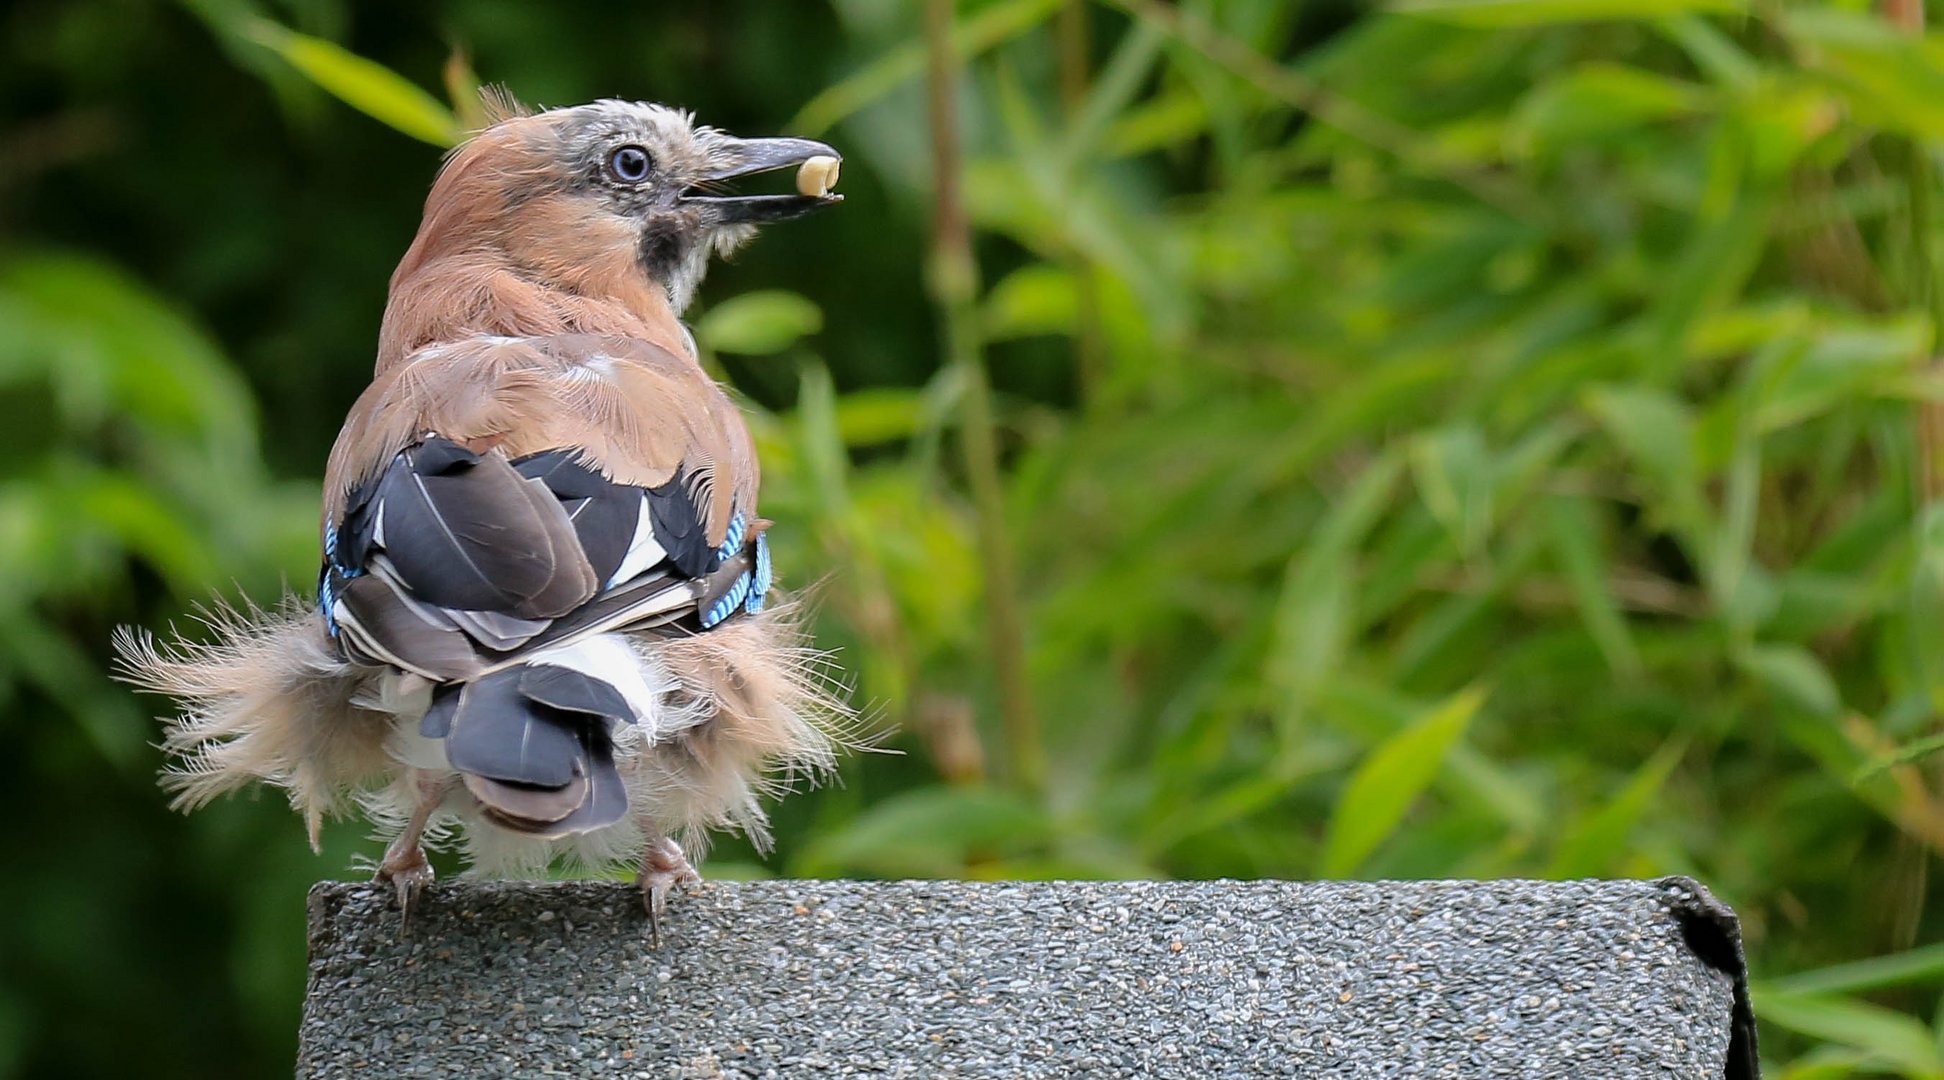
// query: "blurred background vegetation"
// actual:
[[1474, 437]]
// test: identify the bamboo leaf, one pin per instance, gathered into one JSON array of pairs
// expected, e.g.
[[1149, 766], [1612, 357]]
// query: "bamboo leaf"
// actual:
[[1895, 1039], [1657, 431], [367, 86], [1383, 787], [1038, 298], [931, 832], [1597, 100], [1578, 546], [887, 414], [1653, 427], [971, 36], [1893, 78], [1594, 844], [760, 323], [1793, 674], [1312, 616], [1505, 13], [1718, 56], [1924, 964], [1454, 471], [1913, 751]]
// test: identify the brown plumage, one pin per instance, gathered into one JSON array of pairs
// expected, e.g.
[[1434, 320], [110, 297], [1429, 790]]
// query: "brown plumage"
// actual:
[[636, 410], [542, 623]]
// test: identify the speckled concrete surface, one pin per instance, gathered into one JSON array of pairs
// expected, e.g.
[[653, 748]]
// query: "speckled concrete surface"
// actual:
[[1055, 979]]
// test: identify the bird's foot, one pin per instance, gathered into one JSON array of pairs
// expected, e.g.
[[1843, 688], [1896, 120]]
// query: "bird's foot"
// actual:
[[409, 872], [663, 866]]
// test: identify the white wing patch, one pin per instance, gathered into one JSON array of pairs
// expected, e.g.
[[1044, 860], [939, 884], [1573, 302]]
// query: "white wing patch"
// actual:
[[643, 550], [608, 659]]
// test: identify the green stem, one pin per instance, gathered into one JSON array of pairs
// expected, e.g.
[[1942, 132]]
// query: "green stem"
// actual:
[[1090, 337], [1925, 294], [954, 283]]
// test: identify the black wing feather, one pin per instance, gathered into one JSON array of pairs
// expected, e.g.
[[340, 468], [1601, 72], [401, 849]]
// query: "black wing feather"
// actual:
[[499, 732], [534, 744], [467, 531], [380, 624], [606, 801], [679, 527], [604, 513]]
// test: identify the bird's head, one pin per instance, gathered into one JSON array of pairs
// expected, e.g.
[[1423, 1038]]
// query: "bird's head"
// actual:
[[596, 197]]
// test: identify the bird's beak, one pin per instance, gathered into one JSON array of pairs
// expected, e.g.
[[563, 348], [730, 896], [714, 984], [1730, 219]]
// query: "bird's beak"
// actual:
[[743, 157]]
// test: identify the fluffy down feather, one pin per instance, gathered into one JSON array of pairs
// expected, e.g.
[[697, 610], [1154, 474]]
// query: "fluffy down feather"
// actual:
[[267, 699]]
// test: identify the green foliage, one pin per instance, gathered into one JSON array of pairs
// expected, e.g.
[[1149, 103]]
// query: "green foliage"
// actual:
[[372, 89], [1346, 364], [1382, 788], [760, 323]]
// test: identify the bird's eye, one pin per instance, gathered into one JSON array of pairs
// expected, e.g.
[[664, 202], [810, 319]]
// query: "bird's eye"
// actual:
[[629, 164]]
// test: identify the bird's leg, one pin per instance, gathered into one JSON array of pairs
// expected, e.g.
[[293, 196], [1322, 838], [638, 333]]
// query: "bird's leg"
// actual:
[[663, 866], [404, 864]]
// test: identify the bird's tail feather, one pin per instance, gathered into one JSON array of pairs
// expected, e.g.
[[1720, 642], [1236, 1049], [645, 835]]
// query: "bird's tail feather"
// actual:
[[741, 712], [534, 743], [266, 698]]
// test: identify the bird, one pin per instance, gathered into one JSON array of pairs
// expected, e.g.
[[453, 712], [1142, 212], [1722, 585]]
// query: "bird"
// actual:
[[545, 625]]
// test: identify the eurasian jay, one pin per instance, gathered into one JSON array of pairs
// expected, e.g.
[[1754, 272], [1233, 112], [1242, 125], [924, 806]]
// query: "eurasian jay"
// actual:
[[545, 614]]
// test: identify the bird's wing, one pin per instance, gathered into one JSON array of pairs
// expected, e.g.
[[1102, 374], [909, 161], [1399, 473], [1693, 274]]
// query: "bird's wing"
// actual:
[[497, 495]]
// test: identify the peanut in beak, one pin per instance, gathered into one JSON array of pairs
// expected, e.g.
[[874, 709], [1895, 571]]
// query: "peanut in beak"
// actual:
[[817, 176]]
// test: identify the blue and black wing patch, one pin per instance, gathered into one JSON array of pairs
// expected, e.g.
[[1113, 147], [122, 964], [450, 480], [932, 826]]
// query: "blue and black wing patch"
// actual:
[[450, 562], [678, 526]]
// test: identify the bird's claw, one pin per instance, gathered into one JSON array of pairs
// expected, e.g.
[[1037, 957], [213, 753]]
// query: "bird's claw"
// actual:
[[663, 866], [409, 872]]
